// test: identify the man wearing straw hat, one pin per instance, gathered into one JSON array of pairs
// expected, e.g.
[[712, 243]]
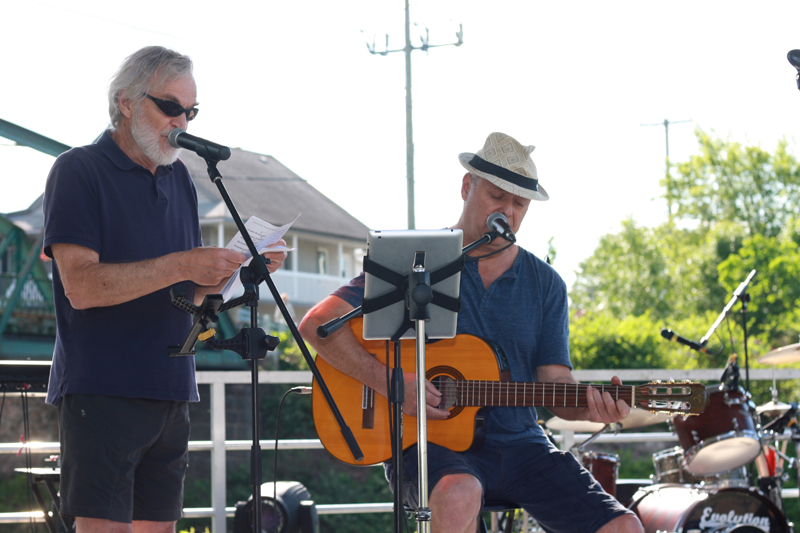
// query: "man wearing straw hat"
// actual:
[[515, 300]]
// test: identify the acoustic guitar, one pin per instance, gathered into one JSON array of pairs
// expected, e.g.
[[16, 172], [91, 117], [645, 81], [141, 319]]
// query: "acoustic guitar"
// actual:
[[471, 374]]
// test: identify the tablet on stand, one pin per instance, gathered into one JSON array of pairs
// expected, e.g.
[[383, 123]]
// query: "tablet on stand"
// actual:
[[404, 262]]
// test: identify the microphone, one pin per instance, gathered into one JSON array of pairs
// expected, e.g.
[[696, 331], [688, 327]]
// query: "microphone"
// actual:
[[178, 138], [498, 223], [794, 58], [672, 336]]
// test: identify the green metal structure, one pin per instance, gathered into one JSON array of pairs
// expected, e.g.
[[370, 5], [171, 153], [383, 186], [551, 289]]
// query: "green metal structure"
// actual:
[[27, 311], [27, 315]]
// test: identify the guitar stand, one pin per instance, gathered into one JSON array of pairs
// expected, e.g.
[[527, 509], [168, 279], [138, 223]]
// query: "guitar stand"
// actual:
[[418, 297], [251, 343]]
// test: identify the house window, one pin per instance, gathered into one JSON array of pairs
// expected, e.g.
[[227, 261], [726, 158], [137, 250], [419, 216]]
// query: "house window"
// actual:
[[322, 261]]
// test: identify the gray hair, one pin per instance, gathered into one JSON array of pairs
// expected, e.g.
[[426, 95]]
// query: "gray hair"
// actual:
[[149, 69]]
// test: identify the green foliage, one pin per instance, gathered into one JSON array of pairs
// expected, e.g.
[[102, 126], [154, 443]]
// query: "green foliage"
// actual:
[[600, 340], [16, 496], [665, 272], [774, 313], [742, 200], [728, 181]]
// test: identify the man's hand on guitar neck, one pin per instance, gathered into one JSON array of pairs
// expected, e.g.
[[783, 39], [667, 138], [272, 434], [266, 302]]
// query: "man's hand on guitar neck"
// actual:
[[603, 408], [600, 407], [432, 394]]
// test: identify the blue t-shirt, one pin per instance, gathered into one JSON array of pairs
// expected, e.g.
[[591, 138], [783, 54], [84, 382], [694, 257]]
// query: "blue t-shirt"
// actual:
[[98, 198], [524, 312]]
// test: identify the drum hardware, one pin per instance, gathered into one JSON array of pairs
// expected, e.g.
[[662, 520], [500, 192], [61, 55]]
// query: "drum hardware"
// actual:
[[684, 509], [669, 468], [773, 407]]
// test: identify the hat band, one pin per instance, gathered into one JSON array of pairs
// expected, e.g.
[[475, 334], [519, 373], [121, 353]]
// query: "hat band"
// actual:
[[532, 184]]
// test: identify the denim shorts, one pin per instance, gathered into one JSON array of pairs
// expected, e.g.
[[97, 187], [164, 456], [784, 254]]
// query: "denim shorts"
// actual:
[[550, 484], [123, 459]]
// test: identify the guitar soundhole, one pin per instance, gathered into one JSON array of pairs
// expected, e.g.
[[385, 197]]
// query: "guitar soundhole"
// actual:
[[447, 386]]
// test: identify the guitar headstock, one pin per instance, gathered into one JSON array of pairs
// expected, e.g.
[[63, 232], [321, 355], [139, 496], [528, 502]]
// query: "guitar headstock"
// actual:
[[679, 397]]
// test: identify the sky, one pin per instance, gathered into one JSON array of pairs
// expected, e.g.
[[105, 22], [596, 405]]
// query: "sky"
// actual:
[[588, 83]]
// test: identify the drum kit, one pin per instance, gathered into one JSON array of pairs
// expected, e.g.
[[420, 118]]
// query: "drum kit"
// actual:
[[727, 474]]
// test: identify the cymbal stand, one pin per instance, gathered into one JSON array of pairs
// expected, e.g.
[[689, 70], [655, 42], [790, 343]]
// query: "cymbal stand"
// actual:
[[739, 294], [615, 427]]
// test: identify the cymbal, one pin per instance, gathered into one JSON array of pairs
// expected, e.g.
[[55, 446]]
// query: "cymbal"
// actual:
[[773, 408], [636, 418], [784, 355], [578, 426]]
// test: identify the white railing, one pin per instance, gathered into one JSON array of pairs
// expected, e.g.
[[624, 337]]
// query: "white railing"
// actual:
[[304, 288], [219, 446]]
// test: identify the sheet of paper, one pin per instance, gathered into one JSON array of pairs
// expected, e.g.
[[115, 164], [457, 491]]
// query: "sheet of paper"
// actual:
[[263, 234]]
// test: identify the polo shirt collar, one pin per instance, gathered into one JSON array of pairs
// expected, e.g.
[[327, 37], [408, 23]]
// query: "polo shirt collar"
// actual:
[[111, 149]]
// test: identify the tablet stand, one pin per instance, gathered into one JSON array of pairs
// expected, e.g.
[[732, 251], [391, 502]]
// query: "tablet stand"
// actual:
[[419, 296], [251, 343]]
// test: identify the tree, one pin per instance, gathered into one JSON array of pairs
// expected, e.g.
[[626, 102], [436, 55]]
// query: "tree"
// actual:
[[666, 272], [774, 307], [731, 182]]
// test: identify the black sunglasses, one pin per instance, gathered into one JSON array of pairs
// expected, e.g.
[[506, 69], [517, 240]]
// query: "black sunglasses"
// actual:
[[171, 109]]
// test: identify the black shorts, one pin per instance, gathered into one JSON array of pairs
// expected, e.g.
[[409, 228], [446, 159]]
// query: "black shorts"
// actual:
[[548, 483], [123, 459]]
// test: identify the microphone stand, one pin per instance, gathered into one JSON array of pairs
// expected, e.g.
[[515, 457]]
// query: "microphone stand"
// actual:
[[419, 299], [251, 343], [739, 294]]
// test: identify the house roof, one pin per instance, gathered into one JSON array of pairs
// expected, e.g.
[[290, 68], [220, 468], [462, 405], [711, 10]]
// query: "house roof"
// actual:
[[259, 185]]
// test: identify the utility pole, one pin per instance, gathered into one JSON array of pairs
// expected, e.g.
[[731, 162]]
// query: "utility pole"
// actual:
[[668, 180], [409, 129]]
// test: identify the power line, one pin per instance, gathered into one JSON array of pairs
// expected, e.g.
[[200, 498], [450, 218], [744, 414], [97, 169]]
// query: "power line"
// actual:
[[668, 177], [407, 49]]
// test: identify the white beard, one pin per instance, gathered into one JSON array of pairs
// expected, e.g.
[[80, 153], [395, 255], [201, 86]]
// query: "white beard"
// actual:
[[150, 141]]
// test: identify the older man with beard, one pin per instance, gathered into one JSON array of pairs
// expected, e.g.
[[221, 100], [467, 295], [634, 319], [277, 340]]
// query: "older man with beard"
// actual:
[[122, 225]]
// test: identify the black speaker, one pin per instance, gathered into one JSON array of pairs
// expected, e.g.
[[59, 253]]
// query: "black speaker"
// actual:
[[292, 510]]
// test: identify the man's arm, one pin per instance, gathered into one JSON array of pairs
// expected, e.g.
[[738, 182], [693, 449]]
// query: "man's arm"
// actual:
[[89, 283], [343, 351], [601, 407]]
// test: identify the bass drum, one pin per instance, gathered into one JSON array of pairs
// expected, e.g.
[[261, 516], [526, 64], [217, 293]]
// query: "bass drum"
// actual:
[[682, 509]]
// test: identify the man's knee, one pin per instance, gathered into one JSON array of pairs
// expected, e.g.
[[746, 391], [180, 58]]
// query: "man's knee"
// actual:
[[458, 491]]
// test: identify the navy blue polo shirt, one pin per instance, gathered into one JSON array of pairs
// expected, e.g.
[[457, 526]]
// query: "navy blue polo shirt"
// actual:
[[98, 198], [525, 313]]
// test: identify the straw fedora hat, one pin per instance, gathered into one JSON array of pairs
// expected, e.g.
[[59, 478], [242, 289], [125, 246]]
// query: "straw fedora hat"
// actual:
[[506, 163]]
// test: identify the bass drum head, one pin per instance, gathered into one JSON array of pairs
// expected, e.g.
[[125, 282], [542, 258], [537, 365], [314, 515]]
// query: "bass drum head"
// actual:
[[682, 509]]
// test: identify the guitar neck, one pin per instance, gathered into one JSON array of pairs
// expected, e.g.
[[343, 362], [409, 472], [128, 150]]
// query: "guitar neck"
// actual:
[[520, 394]]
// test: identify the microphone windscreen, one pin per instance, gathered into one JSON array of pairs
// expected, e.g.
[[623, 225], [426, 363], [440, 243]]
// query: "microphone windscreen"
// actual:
[[493, 217], [172, 137], [794, 58]]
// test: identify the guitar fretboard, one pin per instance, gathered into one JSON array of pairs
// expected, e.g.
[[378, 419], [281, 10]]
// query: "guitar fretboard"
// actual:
[[521, 394]]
